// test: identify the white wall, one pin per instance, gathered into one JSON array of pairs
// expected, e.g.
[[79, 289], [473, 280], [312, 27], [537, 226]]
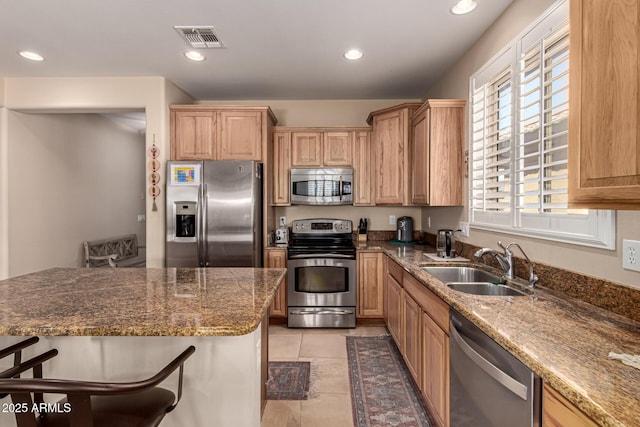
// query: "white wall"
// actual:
[[73, 177], [340, 112], [151, 94], [600, 263]]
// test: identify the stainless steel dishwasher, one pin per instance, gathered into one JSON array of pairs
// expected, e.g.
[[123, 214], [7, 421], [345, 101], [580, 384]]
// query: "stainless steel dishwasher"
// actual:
[[489, 387]]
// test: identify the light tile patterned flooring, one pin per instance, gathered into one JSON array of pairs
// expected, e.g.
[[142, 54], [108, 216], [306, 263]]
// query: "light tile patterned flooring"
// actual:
[[330, 401]]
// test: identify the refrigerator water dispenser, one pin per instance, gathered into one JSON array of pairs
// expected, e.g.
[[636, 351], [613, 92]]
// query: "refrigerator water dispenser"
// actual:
[[185, 219]]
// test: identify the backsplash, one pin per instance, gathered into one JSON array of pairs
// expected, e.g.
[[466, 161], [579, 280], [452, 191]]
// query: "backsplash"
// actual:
[[619, 299]]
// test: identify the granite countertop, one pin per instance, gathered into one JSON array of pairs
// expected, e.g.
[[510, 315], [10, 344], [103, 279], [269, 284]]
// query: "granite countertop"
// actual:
[[137, 301], [563, 340]]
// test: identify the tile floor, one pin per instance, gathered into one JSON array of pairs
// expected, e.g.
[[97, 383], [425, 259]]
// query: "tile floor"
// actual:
[[329, 403]]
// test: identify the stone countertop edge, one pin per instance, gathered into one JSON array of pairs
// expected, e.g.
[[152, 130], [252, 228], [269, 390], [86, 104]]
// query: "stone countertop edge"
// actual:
[[137, 301], [564, 341]]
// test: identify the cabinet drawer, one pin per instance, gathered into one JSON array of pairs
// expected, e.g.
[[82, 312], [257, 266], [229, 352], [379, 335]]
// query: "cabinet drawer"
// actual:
[[394, 270], [437, 309]]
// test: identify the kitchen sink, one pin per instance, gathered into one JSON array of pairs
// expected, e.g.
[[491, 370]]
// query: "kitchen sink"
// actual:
[[462, 274], [472, 280], [485, 289]]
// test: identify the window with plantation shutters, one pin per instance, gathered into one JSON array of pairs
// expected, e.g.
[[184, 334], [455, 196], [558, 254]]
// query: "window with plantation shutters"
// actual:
[[519, 141], [541, 145], [491, 144]]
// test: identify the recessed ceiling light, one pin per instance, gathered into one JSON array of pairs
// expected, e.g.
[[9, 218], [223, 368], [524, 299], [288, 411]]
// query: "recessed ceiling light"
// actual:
[[463, 6], [195, 56], [353, 54], [30, 55]]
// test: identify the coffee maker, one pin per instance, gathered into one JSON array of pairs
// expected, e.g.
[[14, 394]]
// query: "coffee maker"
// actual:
[[404, 229]]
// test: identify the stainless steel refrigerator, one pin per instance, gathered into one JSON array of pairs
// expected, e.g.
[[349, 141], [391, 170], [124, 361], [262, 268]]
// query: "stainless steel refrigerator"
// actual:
[[214, 213]]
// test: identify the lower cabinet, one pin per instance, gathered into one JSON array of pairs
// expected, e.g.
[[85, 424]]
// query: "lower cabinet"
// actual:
[[419, 322], [394, 309], [412, 351], [370, 292], [277, 258], [435, 375], [559, 412]]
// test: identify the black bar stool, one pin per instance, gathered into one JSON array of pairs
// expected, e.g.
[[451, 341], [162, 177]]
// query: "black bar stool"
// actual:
[[90, 403]]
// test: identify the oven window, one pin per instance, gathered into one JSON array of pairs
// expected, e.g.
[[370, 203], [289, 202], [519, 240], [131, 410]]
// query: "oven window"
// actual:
[[321, 188], [322, 279]]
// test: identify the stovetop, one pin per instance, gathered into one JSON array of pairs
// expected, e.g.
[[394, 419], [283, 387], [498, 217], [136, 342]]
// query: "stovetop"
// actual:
[[321, 236]]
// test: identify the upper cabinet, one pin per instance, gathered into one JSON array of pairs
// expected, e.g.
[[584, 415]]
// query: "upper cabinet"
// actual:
[[391, 172], [281, 163], [306, 149], [203, 132], [193, 135], [338, 149], [436, 153], [362, 159], [604, 130], [318, 149]]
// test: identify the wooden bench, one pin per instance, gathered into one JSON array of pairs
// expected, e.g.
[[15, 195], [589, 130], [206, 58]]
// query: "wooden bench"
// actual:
[[116, 252]]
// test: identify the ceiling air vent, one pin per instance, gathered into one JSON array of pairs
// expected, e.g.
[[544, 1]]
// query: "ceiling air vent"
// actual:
[[203, 37]]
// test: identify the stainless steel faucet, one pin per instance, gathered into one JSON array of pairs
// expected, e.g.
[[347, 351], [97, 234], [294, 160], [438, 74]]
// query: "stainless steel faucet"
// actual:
[[506, 261]]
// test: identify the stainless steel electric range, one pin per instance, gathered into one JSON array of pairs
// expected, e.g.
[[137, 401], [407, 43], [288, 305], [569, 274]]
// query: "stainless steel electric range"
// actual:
[[321, 280]]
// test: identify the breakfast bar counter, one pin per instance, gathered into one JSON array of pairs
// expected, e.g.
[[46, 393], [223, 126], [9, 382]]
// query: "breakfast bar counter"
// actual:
[[125, 324], [137, 301]]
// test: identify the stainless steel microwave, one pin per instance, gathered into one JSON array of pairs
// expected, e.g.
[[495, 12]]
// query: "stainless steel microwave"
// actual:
[[321, 186]]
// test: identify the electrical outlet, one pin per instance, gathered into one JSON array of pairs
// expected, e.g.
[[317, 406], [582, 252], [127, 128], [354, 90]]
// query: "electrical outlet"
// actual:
[[464, 229], [428, 222], [392, 219], [283, 221], [141, 218], [631, 254]]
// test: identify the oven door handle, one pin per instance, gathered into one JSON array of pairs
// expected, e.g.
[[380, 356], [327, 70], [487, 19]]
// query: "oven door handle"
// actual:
[[303, 311], [340, 186], [322, 256]]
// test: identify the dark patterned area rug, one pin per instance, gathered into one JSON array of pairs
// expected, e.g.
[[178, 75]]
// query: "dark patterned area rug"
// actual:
[[382, 390], [288, 380]]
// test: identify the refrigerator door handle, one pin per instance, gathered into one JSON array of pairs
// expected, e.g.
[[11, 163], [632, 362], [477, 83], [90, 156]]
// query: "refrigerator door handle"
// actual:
[[199, 225], [205, 222]]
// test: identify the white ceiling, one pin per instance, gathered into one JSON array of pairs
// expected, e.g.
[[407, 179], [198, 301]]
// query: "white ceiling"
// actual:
[[274, 49]]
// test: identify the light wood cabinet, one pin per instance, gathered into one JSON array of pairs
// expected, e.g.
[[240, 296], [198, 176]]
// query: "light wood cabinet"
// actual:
[[435, 374], [391, 170], [277, 258], [281, 163], [559, 412], [193, 135], [437, 165], [370, 293], [306, 149], [604, 130], [337, 149], [422, 335], [362, 159], [321, 148], [239, 135], [201, 132], [411, 325]]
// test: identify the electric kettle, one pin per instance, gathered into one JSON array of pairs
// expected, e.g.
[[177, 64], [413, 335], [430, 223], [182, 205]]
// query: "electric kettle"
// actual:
[[445, 244]]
